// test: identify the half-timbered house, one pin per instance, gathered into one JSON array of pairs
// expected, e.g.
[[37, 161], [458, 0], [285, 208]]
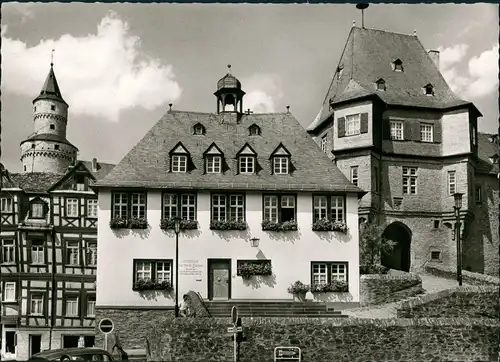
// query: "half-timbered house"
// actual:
[[48, 238]]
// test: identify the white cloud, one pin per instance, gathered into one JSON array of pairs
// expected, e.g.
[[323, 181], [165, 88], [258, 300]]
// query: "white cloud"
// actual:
[[99, 74], [481, 77], [262, 93]]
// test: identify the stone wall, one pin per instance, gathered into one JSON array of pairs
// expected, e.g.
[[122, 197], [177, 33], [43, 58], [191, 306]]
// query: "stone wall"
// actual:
[[471, 302], [386, 288], [206, 339], [467, 276]]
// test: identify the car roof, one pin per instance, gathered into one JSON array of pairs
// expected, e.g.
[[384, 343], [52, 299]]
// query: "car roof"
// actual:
[[75, 351]]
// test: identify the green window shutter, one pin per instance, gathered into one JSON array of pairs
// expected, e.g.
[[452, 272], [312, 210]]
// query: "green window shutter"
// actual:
[[341, 127]]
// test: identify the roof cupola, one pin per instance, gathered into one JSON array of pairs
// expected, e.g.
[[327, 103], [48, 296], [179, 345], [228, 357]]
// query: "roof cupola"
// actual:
[[229, 94]]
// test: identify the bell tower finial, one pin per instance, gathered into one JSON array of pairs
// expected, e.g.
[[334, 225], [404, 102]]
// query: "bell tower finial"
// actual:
[[52, 57], [229, 69]]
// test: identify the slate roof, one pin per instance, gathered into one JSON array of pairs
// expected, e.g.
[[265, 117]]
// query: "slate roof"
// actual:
[[368, 56], [50, 89], [485, 150], [48, 137], [102, 169], [147, 164]]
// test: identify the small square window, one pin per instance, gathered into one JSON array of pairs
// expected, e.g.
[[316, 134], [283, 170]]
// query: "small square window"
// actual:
[[436, 224], [435, 255], [52, 107], [52, 126], [56, 147]]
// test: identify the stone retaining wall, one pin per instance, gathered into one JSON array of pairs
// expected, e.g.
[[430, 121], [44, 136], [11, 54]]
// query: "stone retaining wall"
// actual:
[[467, 276], [471, 302], [386, 288], [206, 339]]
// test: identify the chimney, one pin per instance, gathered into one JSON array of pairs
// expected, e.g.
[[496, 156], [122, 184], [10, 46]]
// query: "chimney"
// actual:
[[94, 164], [434, 54]]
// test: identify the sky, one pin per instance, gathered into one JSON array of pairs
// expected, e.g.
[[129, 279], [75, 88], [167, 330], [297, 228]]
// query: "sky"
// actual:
[[120, 65]]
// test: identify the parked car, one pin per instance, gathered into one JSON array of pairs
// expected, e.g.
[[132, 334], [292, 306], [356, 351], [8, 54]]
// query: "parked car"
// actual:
[[73, 354]]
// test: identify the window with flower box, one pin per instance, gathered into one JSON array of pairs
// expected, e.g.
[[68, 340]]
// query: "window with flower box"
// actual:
[[228, 212], [329, 276], [278, 210], [8, 256], [153, 274], [329, 213], [177, 204], [130, 206]]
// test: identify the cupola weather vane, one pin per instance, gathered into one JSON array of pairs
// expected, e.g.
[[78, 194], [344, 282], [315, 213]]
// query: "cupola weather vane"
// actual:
[[362, 7]]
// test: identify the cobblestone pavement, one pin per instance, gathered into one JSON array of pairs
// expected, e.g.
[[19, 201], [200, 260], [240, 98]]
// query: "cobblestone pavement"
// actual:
[[430, 283]]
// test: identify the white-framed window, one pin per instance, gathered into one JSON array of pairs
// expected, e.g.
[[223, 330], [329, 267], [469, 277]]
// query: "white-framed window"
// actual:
[[228, 207], [9, 292], [8, 255], [37, 252], [354, 175], [324, 142], [92, 205], [138, 205], [91, 257], [120, 205], [352, 124], [280, 164], [479, 198], [91, 306], [37, 210], [219, 207], [409, 180], [163, 271], [188, 206], [179, 163], [319, 273], [426, 132], [326, 272], [72, 253], [170, 205], [6, 204], [72, 207], [214, 164], [36, 304], [143, 270], [329, 207], [452, 182], [247, 164], [236, 207], [279, 208], [72, 306], [396, 130]]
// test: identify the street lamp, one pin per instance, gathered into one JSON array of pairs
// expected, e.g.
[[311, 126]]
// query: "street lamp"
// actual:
[[177, 229], [457, 207]]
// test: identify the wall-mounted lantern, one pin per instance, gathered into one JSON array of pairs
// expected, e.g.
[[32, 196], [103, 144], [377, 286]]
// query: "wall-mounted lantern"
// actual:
[[254, 242]]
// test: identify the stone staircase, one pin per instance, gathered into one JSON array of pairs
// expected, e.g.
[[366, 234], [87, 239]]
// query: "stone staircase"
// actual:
[[279, 309]]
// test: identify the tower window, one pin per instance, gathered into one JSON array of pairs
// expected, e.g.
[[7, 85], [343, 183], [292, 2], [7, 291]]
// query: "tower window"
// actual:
[[397, 65], [32, 145], [435, 255], [34, 109], [52, 126], [52, 107], [24, 167], [199, 129], [254, 130], [380, 84], [429, 90], [56, 147]]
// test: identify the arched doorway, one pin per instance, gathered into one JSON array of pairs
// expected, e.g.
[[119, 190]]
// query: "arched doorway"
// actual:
[[399, 257]]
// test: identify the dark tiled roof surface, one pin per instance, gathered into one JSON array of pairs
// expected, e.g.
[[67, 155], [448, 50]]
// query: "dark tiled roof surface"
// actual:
[[147, 164], [50, 89], [368, 56], [48, 137], [35, 181], [485, 150], [102, 169]]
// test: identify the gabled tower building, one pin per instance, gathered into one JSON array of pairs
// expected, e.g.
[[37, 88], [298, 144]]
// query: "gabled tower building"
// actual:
[[47, 149]]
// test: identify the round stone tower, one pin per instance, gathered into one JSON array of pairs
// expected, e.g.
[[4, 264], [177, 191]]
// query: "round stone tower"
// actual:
[[47, 149]]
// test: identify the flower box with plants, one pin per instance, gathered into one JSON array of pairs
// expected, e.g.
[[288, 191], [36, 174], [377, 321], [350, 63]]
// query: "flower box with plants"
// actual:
[[138, 223], [169, 224], [119, 223], [228, 224], [268, 225], [150, 284], [299, 290], [335, 286], [250, 268], [328, 225]]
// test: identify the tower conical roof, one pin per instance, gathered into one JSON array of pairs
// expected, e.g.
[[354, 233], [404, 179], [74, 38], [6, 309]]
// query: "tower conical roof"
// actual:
[[50, 89]]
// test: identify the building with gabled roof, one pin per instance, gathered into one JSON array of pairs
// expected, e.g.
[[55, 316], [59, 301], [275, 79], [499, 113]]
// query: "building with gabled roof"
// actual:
[[394, 127], [48, 251], [260, 206]]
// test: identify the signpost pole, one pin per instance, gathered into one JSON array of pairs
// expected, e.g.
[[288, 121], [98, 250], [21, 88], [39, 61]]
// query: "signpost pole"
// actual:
[[106, 342], [234, 317]]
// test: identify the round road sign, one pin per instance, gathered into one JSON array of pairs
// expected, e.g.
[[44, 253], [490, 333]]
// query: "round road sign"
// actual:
[[106, 326], [234, 314]]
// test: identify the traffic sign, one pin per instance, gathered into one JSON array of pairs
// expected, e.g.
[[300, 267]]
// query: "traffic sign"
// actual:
[[234, 329], [287, 354], [234, 314], [106, 326]]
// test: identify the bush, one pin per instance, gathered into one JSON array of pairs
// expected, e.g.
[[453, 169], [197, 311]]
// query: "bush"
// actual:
[[169, 224], [269, 225], [328, 225], [373, 269], [150, 284], [372, 243], [336, 286], [298, 288], [228, 225], [118, 223], [138, 223]]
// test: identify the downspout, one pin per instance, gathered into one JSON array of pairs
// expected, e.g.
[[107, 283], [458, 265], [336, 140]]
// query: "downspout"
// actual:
[[54, 289]]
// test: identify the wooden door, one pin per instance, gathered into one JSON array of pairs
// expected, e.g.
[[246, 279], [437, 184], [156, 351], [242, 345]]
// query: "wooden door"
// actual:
[[220, 279]]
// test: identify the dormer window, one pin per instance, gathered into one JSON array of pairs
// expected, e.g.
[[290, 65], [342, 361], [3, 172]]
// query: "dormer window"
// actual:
[[429, 90], [397, 65], [199, 129], [280, 160], [247, 159], [254, 130], [179, 159], [213, 159], [380, 84]]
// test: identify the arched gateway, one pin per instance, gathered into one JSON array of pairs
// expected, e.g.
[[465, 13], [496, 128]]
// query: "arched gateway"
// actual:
[[399, 257]]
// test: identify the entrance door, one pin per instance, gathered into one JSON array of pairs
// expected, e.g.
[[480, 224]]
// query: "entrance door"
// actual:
[[9, 343], [35, 343], [219, 278]]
